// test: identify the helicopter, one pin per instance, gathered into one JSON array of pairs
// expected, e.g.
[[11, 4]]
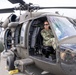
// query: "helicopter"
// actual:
[[21, 37]]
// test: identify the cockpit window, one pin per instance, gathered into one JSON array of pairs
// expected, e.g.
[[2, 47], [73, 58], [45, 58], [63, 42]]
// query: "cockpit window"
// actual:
[[63, 27]]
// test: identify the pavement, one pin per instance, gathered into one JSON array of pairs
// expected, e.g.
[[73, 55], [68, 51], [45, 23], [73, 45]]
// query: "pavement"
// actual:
[[3, 71]]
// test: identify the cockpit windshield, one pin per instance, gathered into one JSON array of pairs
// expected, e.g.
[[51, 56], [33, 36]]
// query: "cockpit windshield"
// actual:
[[63, 27]]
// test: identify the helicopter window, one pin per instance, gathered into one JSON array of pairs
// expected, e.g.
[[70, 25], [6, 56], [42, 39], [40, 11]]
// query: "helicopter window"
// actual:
[[61, 26]]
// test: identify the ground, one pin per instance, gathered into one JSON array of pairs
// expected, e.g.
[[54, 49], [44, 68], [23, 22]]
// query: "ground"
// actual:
[[3, 71]]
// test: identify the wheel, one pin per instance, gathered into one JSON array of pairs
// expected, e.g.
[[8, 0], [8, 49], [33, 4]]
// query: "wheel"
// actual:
[[10, 63]]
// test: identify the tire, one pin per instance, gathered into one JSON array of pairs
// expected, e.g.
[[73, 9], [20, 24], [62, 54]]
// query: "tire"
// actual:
[[10, 63]]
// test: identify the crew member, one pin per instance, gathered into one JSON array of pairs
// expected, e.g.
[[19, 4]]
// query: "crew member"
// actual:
[[47, 40]]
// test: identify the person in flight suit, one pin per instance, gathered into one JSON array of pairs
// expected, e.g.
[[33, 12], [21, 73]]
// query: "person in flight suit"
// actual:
[[47, 35]]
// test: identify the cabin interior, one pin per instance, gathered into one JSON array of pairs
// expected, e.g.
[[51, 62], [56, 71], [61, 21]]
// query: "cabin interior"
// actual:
[[36, 48]]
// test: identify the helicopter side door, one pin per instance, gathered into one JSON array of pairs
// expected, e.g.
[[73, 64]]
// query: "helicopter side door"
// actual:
[[17, 35], [22, 40]]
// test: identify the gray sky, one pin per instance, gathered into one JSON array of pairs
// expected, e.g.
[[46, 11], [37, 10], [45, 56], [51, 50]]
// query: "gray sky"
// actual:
[[67, 12]]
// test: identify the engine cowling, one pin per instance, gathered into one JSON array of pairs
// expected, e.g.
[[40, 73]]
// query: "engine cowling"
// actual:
[[11, 18]]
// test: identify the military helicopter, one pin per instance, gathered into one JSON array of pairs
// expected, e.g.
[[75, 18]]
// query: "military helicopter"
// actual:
[[21, 37]]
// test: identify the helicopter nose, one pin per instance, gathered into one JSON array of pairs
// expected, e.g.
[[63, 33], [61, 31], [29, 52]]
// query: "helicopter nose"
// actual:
[[68, 62]]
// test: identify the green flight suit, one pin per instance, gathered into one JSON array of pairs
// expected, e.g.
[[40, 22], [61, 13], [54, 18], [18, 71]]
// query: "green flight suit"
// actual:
[[47, 37]]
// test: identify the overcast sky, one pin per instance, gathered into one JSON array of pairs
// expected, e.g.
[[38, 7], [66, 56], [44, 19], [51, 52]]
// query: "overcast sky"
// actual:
[[67, 12]]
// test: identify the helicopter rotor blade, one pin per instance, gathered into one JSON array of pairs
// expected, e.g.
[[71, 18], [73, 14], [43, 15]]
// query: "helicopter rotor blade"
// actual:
[[57, 7], [29, 8], [7, 10], [17, 1]]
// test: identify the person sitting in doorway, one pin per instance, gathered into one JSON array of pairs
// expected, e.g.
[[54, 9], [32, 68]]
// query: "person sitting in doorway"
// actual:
[[47, 35]]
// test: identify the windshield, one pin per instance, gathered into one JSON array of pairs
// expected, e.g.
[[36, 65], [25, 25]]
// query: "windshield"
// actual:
[[63, 27]]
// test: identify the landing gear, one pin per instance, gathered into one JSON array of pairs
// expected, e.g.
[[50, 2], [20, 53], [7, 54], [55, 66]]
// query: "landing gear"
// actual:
[[10, 63]]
